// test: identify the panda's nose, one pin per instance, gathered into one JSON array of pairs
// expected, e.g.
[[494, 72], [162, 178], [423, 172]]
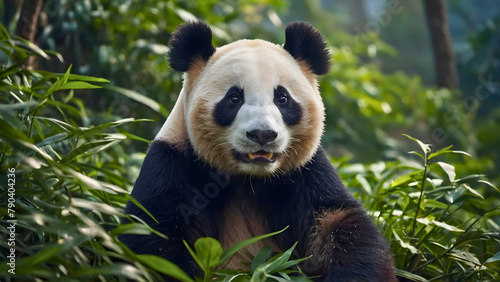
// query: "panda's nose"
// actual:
[[262, 136]]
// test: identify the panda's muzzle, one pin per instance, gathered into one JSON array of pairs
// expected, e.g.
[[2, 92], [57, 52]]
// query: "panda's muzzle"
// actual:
[[261, 137]]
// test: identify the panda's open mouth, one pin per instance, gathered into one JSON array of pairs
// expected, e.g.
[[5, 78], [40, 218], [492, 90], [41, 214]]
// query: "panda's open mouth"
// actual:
[[256, 157]]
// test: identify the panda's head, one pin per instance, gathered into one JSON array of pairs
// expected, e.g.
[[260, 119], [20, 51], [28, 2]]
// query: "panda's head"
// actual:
[[251, 107]]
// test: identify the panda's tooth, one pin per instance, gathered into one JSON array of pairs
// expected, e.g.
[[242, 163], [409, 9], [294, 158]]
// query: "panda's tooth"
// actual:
[[269, 155], [251, 156]]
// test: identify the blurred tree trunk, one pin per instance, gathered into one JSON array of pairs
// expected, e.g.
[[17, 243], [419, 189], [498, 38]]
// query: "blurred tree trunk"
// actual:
[[357, 10], [26, 25], [435, 12]]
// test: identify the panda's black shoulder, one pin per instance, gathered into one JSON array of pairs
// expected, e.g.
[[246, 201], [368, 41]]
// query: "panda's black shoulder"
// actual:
[[322, 180], [153, 189]]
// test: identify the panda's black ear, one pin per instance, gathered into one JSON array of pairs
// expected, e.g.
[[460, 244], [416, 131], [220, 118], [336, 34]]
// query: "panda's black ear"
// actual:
[[190, 41], [307, 45]]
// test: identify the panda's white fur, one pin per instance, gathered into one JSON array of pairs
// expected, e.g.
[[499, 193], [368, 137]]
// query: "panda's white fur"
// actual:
[[258, 67]]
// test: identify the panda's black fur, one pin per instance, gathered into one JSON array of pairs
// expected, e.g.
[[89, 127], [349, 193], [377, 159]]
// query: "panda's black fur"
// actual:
[[189, 41], [188, 197], [303, 42]]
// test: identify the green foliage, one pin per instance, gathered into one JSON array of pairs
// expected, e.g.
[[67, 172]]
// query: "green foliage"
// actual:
[[362, 103], [440, 226], [69, 178], [211, 258]]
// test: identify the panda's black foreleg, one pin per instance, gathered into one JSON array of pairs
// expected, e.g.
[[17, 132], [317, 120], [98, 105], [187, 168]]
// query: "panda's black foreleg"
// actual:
[[347, 246], [344, 242], [160, 189]]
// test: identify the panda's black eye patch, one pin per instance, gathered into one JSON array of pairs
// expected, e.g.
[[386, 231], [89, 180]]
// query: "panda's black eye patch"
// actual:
[[289, 108], [227, 108]]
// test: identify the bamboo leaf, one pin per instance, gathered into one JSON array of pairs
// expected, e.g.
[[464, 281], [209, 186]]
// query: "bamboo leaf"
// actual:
[[14, 68], [10, 115], [164, 266], [488, 183], [466, 257], [152, 104], [83, 149], [405, 179], [470, 178], [7, 131], [364, 184], [32, 47], [447, 151], [89, 183], [474, 192], [409, 275], [4, 32], [97, 130], [444, 189], [262, 255], [232, 250], [278, 263], [56, 54], [195, 257], [447, 226], [53, 139], [78, 85], [66, 75], [130, 228], [415, 153], [462, 152], [119, 269], [133, 200], [449, 170], [425, 147], [434, 204], [494, 258], [36, 149], [101, 207], [291, 263], [71, 77], [135, 137], [404, 244], [440, 152]]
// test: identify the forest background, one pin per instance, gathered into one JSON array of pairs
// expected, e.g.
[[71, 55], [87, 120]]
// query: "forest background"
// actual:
[[85, 85]]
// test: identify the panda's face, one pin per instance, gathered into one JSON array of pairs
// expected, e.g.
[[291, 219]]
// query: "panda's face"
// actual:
[[253, 110]]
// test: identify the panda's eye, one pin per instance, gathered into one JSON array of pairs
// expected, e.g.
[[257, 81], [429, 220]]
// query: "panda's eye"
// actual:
[[282, 98], [235, 99]]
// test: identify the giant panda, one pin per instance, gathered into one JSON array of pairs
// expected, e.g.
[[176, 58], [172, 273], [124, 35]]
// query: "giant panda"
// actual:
[[240, 156]]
